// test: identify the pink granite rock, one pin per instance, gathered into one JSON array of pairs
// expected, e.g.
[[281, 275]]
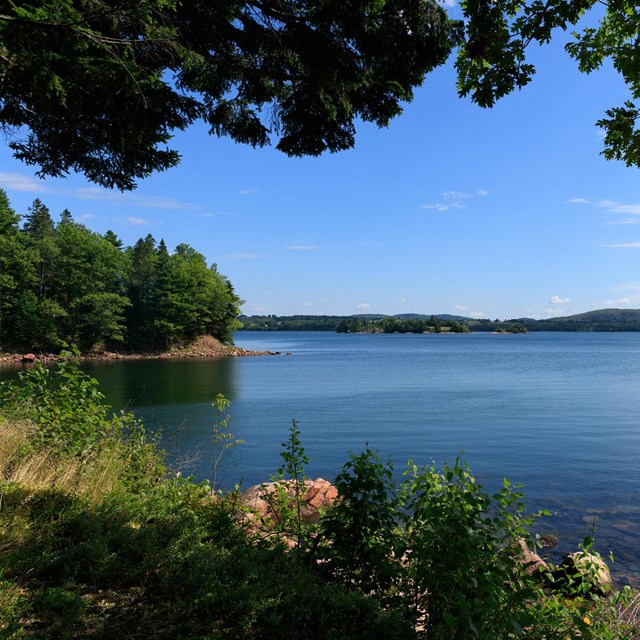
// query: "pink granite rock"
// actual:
[[317, 495]]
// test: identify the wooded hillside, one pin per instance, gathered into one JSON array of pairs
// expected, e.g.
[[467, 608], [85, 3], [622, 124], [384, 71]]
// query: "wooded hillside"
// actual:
[[61, 282]]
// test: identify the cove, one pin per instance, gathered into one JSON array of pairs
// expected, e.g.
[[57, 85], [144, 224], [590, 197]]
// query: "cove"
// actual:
[[556, 412]]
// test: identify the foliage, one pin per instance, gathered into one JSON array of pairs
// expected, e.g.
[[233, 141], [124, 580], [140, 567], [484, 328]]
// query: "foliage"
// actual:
[[493, 62], [461, 545], [362, 528], [402, 325], [303, 71], [64, 405], [354, 324], [223, 440], [290, 323], [286, 500], [444, 554], [256, 69], [65, 283], [437, 547]]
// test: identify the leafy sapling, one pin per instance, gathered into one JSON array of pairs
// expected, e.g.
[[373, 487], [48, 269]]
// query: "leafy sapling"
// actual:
[[286, 498], [223, 439]]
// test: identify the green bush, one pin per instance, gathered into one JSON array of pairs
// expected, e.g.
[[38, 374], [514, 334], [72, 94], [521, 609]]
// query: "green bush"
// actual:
[[361, 533], [64, 405]]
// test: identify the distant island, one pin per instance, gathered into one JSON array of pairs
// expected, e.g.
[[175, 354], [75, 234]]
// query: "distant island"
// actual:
[[599, 320]]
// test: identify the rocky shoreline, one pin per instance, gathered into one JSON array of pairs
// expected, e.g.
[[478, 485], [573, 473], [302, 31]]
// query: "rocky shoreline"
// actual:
[[205, 347]]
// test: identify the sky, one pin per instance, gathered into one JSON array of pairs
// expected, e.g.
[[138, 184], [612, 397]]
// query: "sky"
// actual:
[[500, 213]]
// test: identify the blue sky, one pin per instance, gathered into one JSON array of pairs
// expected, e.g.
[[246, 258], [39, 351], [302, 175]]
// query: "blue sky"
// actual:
[[503, 213]]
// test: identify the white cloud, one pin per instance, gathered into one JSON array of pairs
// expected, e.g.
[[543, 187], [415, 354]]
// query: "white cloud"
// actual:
[[363, 306], [625, 221], [21, 182], [301, 247], [622, 245], [629, 296], [96, 193], [614, 206], [578, 201], [403, 301], [456, 195], [554, 311], [213, 214], [258, 308], [461, 307], [452, 200], [132, 199], [160, 202], [443, 206], [477, 314], [559, 300], [134, 220], [627, 286], [246, 192]]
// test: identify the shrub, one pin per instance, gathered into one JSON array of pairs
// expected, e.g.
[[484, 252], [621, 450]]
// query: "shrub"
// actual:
[[64, 405], [436, 547]]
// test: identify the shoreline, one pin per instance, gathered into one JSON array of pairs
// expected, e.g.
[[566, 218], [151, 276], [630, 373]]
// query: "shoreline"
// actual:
[[206, 347]]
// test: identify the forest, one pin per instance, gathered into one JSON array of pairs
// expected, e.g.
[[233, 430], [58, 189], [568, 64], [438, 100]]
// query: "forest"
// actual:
[[402, 325], [62, 283]]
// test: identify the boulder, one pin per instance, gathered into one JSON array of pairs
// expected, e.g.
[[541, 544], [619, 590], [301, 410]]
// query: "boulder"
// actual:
[[28, 357], [585, 568], [547, 540], [532, 563], [318, 495]]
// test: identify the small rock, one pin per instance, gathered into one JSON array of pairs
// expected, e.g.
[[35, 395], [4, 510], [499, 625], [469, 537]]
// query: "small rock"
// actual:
[[547, 540], [28, 357]]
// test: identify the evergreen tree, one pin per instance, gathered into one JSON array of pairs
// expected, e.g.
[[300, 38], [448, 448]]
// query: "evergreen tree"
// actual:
[[111, 237], [66, 217], [8, 217], [141, 282], [18, 269], [38, 223]]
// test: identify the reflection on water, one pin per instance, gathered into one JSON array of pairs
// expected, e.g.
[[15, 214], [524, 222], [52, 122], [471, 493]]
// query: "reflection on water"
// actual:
[[144, 383]]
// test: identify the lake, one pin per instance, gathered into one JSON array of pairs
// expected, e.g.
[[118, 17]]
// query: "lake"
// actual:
[[557, 412]]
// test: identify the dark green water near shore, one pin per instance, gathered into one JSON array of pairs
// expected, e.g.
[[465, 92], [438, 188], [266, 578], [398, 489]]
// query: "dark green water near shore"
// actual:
[[557, 412]]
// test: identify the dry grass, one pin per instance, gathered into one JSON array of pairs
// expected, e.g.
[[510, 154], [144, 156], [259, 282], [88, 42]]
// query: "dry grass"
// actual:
[[629, 614], [92, 475]]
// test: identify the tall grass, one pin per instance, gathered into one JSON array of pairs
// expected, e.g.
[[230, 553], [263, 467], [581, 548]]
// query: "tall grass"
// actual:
[[92, 474]]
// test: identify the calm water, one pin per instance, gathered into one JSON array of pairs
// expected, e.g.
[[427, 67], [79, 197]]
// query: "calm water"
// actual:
[[557, 412]]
